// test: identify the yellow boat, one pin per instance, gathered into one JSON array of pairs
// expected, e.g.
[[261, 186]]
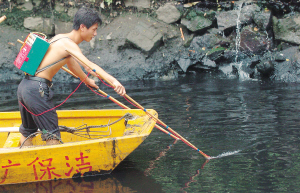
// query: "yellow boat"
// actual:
[[93, 142]]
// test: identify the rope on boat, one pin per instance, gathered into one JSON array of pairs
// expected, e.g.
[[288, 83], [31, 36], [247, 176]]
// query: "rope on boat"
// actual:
[[46, 135], [88, 133]]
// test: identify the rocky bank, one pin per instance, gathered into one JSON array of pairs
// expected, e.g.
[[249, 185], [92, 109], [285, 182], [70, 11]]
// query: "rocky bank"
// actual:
[[260, 40]]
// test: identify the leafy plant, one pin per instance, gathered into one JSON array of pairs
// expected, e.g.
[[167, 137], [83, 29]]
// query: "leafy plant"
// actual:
[[16, 17]]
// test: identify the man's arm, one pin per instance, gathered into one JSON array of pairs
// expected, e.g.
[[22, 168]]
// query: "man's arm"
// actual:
[[73, 66], [76, 69]]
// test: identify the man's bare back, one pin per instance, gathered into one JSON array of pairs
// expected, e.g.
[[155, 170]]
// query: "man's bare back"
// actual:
[[55, 52]]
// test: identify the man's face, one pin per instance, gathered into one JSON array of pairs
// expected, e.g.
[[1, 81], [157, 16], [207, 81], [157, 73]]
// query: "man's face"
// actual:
[[88, 34]]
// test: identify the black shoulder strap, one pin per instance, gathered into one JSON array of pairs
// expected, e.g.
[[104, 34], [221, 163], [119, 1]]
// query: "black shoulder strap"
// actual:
[[50, 65]]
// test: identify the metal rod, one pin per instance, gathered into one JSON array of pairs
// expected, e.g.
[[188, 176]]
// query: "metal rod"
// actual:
[[120, 104]]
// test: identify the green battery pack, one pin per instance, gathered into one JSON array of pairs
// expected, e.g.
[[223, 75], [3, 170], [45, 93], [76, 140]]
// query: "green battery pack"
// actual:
[[31, 54]]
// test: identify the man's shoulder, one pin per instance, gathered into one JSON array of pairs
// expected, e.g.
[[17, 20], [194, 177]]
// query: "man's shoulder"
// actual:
[[60, 37]]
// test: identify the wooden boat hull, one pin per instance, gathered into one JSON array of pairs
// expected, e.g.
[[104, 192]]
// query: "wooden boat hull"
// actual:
[[77, 156]]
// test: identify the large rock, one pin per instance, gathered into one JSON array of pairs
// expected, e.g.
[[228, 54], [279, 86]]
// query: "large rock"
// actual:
[[287, 29], [59, 7], [254, 42], [197, 24], [27, 6], [263, 19], [209, 63], [184, 63], [72, 11], [227, 19], [209, 45], [288, 70], [266, 68], [198, 21], [215, 53], [230, 19], [39, 24], [145, 37], [205, 65], [63, 27], [168, 13], [137, 3]]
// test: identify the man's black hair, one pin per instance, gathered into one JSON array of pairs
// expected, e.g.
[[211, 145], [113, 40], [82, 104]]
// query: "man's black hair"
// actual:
[[87, 17]]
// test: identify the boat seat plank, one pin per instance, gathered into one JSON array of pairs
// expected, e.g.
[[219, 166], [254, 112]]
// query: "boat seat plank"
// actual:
[[9, 129], [13, 140]]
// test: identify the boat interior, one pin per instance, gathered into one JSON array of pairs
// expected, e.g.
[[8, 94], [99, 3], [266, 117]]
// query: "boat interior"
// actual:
[[76, 126]]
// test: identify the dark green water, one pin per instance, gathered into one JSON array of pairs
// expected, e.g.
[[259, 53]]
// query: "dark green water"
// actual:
[[255, 123]]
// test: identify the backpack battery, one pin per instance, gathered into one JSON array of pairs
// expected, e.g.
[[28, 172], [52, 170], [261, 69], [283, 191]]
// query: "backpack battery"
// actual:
[[31, 53]]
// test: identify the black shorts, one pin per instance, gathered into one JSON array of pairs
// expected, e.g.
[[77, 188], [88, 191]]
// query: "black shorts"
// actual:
[[29, 96]]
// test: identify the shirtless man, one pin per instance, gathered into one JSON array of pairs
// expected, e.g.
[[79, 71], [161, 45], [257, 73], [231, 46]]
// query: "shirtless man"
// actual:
[[34, 92]]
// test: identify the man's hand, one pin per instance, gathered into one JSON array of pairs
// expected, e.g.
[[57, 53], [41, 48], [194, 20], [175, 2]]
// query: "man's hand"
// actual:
[[91, 82], [119, 88]]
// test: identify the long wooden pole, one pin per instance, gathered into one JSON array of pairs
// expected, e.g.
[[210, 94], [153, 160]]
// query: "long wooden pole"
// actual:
[[2, 18], [141, 107], [119, 103]]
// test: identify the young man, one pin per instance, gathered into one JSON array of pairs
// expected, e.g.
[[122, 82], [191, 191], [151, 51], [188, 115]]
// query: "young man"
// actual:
[[34, 91]]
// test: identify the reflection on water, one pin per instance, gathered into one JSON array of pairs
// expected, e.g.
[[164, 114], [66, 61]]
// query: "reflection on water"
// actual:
[[147, 172], [125, 180], [254, 123]]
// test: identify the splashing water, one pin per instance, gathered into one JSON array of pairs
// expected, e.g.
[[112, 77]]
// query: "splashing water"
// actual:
[[242, 74], [227, 70], [238, 32], [238, 36], [225, 154]]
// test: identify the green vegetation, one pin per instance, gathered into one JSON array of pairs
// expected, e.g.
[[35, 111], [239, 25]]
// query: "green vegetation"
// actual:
[[216, 49], [192, 13], [16, 16]]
